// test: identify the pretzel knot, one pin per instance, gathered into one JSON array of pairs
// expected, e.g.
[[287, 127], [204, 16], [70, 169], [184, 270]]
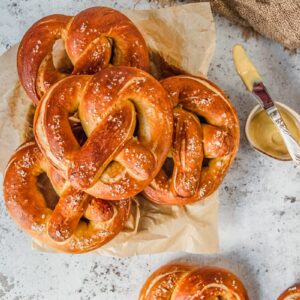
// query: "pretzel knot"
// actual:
[[94, 39], [183, 281], [78, 222], [127, 117], [205, 142]]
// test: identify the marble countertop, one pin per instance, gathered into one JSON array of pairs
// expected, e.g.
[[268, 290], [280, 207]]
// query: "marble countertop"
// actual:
[[260, 197]]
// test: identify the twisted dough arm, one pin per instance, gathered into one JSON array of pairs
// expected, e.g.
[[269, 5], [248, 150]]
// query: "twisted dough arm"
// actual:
[[35, 48]]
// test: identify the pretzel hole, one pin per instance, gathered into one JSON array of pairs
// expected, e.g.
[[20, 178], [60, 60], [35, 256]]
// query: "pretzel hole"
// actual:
[[205, 162], [112, 44], [136, 129], [60, 57], [168, 166], [113, 172], [84, 220], [140, 119], [202, 119], [77, 129], [115, 53], [45, 187]]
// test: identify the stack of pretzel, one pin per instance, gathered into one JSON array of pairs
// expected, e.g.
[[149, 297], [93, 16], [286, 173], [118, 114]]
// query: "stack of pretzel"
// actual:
[[106, 130]]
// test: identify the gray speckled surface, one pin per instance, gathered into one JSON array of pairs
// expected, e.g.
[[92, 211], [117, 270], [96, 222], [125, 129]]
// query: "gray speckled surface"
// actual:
[[260, 197]]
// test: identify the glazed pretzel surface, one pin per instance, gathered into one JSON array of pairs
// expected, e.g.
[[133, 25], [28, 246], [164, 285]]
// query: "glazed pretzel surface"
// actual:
[[205, 142], [185, 282], [62, 227], [292, 293], [94, 39], [119, 158]]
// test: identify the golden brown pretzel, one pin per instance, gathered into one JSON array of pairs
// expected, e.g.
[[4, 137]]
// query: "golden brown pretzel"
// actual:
[[186, 282], [292, 293], [205, 141], [62, 227], [93, 39], [119, 158]]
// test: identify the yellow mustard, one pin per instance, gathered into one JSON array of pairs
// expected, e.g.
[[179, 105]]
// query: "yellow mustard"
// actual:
[[266, 137]]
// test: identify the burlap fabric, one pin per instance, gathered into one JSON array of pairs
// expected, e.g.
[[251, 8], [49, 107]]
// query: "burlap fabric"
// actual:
[[275, 19]]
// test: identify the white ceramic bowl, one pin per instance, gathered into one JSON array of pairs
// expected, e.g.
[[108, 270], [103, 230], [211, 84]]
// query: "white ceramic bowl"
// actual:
[[257, 109]]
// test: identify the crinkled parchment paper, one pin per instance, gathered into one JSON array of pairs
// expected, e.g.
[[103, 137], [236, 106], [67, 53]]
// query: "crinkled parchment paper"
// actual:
[[183, 37]]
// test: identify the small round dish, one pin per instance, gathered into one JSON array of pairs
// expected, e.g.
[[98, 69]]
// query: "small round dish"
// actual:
[[295, 117]]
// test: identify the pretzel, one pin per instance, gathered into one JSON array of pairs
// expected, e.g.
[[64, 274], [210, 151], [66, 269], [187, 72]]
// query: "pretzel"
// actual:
[[94, 39], [182, 282], [205, 142], [119, 158], [78, 222], [292, 293]]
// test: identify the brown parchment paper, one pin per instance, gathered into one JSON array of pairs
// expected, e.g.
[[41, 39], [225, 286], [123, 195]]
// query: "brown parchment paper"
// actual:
[[183, 37]]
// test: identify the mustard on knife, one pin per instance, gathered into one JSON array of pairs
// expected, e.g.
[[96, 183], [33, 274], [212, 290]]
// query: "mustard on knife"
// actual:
[[253, 82]]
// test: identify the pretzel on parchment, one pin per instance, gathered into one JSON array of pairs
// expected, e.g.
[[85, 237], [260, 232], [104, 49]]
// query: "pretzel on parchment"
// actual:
[[205, 141], [62, 227], [93, 39], [127, 117]]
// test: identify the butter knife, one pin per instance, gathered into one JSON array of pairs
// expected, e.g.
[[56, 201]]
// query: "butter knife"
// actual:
[[253, 82]]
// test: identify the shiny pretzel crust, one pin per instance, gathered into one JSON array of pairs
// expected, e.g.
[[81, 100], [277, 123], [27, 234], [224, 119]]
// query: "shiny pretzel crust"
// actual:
[[195, 142], [115, 162], [292, 293], [90, 39], [61, 228], [179, 281]]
